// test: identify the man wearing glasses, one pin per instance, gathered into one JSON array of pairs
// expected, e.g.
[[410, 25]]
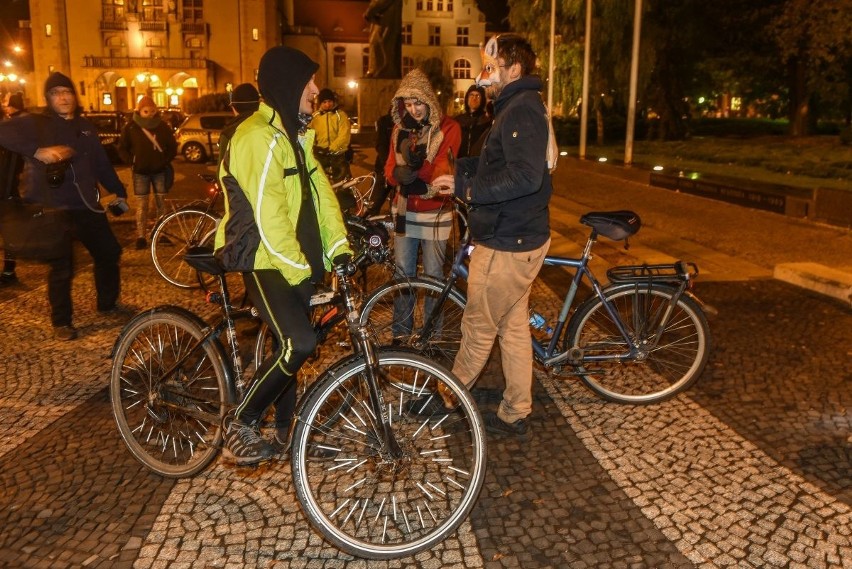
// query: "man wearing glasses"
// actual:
[[507, 190], [64, 163]]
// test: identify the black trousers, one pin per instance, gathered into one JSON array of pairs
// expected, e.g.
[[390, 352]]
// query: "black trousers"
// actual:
[[286, 310], [94, 232]]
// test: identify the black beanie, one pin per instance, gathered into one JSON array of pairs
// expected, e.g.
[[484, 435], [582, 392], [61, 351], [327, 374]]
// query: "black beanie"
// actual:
[[282, 76], [245, 98], [57, 79], [16, 101]]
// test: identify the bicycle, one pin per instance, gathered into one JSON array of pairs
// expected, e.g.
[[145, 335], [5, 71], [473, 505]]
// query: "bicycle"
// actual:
[[403, 473], [353, 198], [641, 339], [194, 225], [189, 226]]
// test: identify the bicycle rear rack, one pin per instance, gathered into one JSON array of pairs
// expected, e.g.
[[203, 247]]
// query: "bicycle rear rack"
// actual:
[[665, 273]]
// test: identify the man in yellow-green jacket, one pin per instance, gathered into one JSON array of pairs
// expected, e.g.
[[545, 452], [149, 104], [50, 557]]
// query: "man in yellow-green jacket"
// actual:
[[283, 229]]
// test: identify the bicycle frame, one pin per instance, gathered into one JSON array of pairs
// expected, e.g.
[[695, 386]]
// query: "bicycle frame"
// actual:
[[546, 353]]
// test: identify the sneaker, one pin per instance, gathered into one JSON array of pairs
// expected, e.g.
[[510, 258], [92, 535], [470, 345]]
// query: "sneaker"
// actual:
[[497, 426], [243, 444], [141, 243], [7, 279], [64, 333], [427, 406]]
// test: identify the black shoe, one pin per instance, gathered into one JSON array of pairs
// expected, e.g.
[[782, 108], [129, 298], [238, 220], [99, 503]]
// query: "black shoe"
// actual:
[[8, 279], [141, 243], [118, 310], [64, 333], [427, 406], [243, 444], [497, 426]]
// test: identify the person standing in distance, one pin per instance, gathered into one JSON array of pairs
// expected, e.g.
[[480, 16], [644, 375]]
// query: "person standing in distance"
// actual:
[[11, 166], [507, 190], [148, 144], [245, 100], [62, 140], [283, 229], [474, 122], [333, 133]]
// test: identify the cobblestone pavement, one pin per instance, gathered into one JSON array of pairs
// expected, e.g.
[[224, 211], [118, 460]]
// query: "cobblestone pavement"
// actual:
[[751, 468]]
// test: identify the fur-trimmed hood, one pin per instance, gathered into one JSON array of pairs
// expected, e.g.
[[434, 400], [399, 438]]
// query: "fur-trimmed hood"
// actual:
[[416, 85]]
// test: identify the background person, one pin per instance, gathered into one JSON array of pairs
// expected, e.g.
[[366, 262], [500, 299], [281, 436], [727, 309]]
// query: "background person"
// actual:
[[384, 129], [283, 247], [474, 122], [245, 100], [11, 166], [507, 189], [148, 144], [333, 133], [421, 138], [68, 143]]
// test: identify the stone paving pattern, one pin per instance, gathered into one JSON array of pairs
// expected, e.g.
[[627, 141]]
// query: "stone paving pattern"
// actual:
[[751, 468]]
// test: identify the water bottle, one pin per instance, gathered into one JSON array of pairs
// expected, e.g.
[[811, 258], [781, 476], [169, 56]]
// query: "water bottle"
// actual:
[[538, 322]]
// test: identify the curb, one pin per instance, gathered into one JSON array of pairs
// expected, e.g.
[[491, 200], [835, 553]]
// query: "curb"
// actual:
[[818, 278]]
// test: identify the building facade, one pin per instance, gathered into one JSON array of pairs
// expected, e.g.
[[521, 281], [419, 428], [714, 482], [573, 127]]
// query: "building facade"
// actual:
[[116, 51]]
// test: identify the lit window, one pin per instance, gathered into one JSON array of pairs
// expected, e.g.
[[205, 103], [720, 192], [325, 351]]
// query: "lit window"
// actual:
[[255, 34], [340, 61], [461, 69], [48, 30], [462, 35]]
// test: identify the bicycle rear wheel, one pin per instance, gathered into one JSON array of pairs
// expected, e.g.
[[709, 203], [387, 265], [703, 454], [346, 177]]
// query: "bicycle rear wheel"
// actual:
[[171, 424], [396, 312], [174, 234], [677, 348], [355, 493]]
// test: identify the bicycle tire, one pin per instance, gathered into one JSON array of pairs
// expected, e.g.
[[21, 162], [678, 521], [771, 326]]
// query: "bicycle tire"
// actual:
[[163, 422], [671, 367], [174, 233], [388, 309], [359, 498]]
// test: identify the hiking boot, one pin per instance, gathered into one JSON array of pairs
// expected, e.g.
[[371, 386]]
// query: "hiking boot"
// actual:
[[243, 444], [427, 406], [64, 333], [497, 426], [141, 243]]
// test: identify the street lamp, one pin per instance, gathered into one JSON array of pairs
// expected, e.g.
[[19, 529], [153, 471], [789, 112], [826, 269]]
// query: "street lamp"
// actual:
[[352, 84], [174, 96], [149, 79]]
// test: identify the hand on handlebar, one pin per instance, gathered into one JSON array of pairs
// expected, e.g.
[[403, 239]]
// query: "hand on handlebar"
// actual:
[[446, 184], [344, 266]]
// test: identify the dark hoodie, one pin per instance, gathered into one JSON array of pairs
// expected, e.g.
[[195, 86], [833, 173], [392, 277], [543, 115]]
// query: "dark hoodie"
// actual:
[[474, 124], [77, 178]]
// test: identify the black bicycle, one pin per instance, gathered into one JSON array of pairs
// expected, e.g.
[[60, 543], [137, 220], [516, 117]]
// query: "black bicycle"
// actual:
[[640, 339], [401, 471]]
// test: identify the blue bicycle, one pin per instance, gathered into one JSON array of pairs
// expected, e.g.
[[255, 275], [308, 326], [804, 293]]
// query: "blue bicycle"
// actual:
[[641, 338]]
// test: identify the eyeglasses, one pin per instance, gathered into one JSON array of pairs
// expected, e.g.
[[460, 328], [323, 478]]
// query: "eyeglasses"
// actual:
[[60, 92]]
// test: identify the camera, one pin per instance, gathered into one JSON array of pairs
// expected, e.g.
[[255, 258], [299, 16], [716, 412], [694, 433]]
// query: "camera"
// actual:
[[56, 173], [118, 206]]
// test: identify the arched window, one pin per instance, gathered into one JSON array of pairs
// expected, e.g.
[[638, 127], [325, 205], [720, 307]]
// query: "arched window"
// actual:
[[461, 69]]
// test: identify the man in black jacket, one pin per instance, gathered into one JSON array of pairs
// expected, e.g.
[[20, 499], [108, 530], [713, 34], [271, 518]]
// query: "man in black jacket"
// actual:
[[63, 164], [507, 190], [11, 165]]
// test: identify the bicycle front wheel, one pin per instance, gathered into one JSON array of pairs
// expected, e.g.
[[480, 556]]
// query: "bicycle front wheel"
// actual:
[[174, 234], [358, 494], [170, 423], [673, 345], [396, 312]]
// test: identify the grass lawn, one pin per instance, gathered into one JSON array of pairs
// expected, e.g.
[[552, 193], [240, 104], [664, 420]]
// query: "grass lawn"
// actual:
[[809, 162]]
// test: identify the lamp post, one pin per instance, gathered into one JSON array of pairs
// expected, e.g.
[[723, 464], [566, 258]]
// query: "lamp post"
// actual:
[[174, 96], [148, 79], [354, 85]]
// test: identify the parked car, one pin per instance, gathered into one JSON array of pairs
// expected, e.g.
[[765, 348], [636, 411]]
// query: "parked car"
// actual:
[[198, 135], [109, 127]]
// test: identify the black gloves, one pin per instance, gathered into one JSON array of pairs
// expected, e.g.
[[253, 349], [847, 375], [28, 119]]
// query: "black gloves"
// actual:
[[343, 265], [414, 157], [416, 188]]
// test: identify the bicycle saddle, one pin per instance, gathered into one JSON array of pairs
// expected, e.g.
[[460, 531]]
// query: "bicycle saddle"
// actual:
[[202, 259], [616, 225]]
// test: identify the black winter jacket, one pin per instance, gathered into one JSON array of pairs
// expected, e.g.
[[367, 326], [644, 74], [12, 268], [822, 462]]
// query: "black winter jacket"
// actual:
[[137, 149], [508, 187]]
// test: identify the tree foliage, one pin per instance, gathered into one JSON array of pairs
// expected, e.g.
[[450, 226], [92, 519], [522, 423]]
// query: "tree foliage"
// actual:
[[780, 57]]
